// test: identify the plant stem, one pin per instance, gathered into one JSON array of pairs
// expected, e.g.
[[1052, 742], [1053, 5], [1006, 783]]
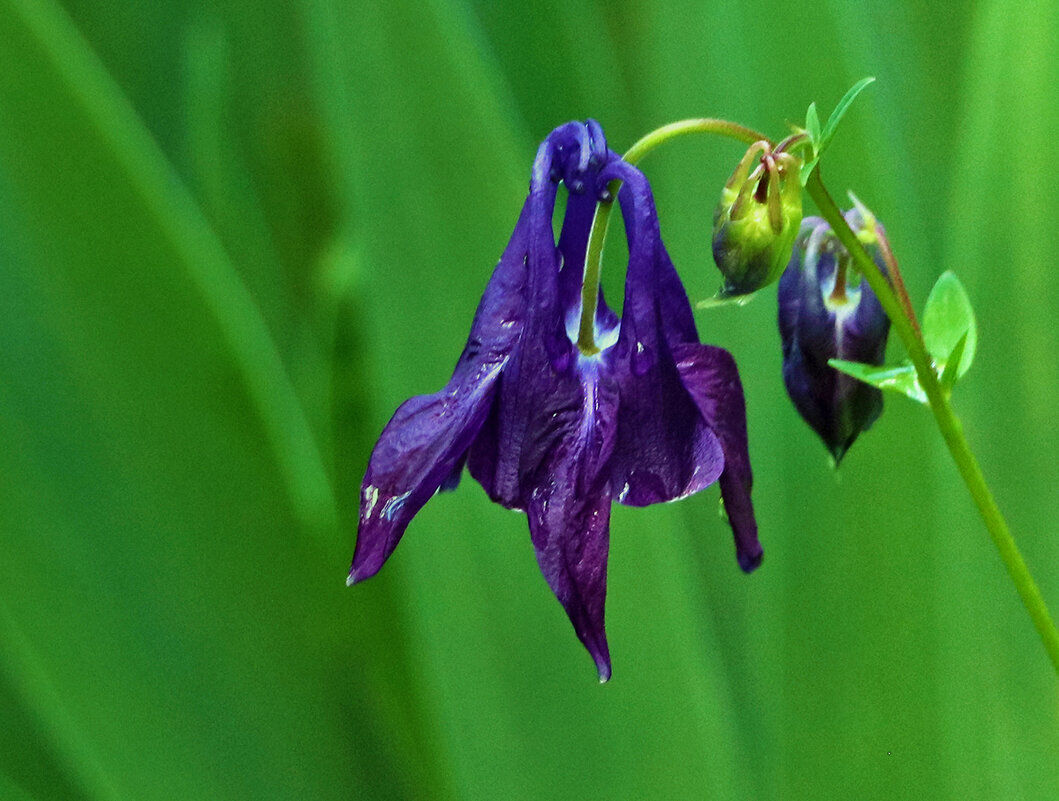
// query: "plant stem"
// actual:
[[948, 423], [898, 282], [659, 136], [586, 341]]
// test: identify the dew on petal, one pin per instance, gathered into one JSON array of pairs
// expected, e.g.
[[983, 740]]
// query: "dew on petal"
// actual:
[[642, 359], [371, 497], [393, 506]]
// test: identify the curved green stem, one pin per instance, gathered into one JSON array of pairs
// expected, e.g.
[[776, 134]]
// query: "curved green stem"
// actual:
[[948, 423], [586, 340], [659, 136]]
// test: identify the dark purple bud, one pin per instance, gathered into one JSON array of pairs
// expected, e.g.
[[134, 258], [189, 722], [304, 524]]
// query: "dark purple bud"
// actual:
[[827, 312]]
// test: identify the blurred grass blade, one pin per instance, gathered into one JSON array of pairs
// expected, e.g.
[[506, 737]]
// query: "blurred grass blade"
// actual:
[[67, 767], [158, 474], [67, 60]]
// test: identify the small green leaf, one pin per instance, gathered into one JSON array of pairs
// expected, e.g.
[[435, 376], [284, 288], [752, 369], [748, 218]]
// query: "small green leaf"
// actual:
[[948, 377], [807, 169], [812, 124], [822, 139], [896, 378], [725, 300], [947, 319], [840, 111]]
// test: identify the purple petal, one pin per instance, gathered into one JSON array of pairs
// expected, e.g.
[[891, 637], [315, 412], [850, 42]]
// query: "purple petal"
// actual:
[[426, 441], [509, 440], [567, 500], [665, 449], [651, 276], [573, 243], [710, 376], [418, 451]]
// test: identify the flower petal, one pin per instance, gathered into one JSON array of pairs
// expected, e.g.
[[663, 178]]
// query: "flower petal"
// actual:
[[567, 500], [650, 274], [665, 449], [547, 444], [416, 453], [712, 380], [510, 443], [428, 437]]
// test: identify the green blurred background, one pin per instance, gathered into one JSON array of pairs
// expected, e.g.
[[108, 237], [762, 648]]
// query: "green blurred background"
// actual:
[[234, 236]]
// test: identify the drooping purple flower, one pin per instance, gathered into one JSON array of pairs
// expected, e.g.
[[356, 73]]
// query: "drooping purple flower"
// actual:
[[652, 416], [826, 312]]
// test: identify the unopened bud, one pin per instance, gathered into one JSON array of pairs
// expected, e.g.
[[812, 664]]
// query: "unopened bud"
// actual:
[[756, 222], [827, 312]]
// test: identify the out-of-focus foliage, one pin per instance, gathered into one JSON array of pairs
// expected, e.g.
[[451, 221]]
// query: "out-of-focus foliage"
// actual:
[[234, 236]]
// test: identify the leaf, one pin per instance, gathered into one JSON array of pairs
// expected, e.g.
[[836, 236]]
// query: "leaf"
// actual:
[[807, 169], [948, 318], [719, 300], [841, 109], [948, 377], [821, 140], [895, 378], [812, 124], [812, 127]]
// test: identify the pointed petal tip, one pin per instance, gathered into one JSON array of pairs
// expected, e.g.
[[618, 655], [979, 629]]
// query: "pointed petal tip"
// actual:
[[357, 575], [749, 562], [603, 667], [837, 453], [600, 652]]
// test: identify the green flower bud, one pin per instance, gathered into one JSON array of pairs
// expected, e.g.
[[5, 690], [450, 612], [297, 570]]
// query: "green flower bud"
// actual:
[[756, 222]]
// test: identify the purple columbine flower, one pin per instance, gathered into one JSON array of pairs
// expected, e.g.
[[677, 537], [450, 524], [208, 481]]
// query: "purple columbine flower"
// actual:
[[650, 415], [826, 312]]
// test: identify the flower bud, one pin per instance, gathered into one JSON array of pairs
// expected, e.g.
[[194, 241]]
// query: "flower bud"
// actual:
[[756, 222], [827, 312]]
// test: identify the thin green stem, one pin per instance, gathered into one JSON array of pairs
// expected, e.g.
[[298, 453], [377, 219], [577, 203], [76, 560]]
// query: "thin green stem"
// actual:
[[586, 340], [948, 423], [709, 125], [897, 281], [796, 141], [586, 332]]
